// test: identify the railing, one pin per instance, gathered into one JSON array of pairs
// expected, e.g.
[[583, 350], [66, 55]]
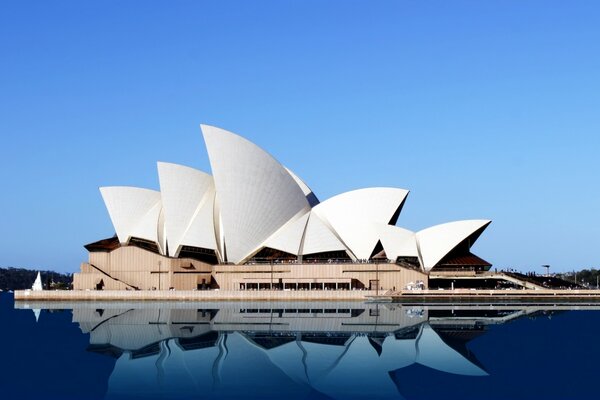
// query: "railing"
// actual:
[[318, 261], [455, 273]]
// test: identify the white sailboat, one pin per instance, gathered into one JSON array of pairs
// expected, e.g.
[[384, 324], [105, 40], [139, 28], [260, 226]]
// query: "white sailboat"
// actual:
[[37, 285]]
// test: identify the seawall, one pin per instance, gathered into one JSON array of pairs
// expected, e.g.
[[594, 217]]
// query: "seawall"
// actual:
[[406, 296], [547, 296], [196, 295]]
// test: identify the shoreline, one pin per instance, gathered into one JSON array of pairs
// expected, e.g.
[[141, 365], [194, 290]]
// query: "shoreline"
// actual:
[[512, 296], [196, 295], [406, 296]]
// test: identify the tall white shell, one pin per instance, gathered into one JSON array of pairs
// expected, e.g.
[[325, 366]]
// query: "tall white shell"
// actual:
[[436, 242], [256, 194], [289, 237], [319, 238], [133, 211], [352, 214], [149, 227], [187, 197], [201, 231], [397, 242], [310, 196]]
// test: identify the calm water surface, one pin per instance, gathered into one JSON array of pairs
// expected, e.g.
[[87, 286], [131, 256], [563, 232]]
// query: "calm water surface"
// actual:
[[296, 351]]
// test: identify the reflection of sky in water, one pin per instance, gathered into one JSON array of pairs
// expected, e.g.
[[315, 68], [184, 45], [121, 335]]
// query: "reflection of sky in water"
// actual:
[[294, 350]]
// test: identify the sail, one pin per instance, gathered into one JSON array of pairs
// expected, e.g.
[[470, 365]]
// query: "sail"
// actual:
[[37, 285]]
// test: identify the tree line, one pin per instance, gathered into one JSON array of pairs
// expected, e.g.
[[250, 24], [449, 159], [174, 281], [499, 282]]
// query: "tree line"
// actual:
[[586, 277], [21, 278]]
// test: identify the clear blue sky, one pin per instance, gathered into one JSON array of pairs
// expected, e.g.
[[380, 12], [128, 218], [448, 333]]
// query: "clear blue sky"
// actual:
[[483, 109]]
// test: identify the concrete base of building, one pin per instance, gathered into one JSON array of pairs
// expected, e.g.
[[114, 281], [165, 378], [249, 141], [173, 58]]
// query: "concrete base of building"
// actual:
[[193, 295], [406, 296], [136, 269]]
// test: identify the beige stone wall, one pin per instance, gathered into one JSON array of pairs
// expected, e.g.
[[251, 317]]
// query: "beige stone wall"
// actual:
[[390, 276], [101, 260], [86, 268], [89, 280], [132, 266], [190, 281]]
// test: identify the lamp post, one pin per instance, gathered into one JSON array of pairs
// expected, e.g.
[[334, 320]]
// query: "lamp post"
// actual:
[[376, 259], [271, 273], [547, 270], [159, 277], [377, 275]]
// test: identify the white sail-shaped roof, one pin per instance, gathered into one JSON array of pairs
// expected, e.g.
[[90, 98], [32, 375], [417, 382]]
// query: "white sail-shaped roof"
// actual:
[[352, 214], [149, 226], [201, 231], [133, 211], [218, 224], [310, 196], [289, 237], [397, 242], [319, 238], [252, 202], [378, 204], [360, 237], [436, 242], [256, 194], [187, 197], [162, 237]]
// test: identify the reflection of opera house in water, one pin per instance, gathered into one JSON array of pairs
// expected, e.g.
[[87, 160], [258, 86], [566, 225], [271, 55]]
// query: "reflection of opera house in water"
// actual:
[[254, 224], [339, 350]]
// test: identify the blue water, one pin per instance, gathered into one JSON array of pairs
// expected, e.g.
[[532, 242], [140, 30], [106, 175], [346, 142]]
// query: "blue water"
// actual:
[[296, 351]]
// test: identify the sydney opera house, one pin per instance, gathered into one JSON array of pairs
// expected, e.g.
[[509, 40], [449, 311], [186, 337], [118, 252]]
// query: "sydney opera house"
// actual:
[[255, 225]]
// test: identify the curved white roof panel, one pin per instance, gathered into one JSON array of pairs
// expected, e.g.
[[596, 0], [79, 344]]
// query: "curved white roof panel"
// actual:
[[310, 196], [371, 204], [162, 237], [201, 231], [360, 237], [289, 237], [436, 242], [133, 211], [397, 242], [185, 192], [218, 224], [256, 194], [318, 238], [352, 214], [149, 227]]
